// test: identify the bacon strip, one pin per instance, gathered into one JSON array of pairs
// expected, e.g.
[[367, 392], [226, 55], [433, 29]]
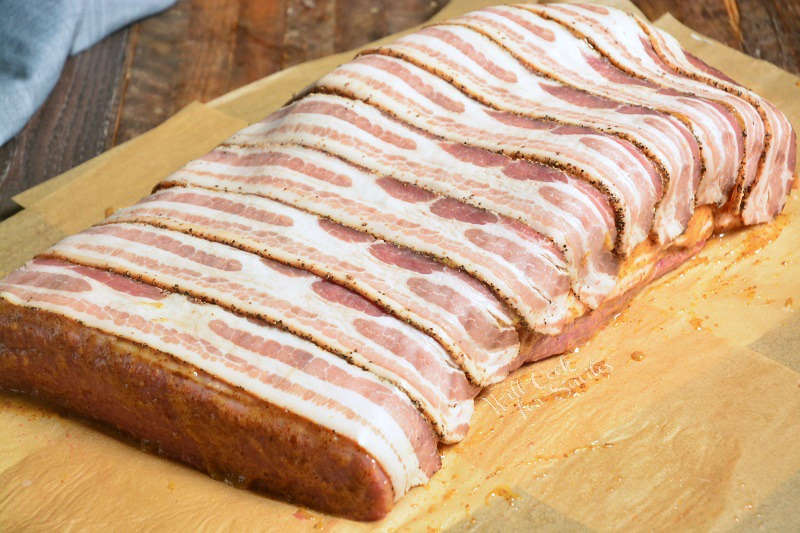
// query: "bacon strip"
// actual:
[[764, 198], [485, 70], [630, 181], [629, 48], [521, 267], [552, 50], [569, 212], [266, 362], [462, 314], [300, 302]]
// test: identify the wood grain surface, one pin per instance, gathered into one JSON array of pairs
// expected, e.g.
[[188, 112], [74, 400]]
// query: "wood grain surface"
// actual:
[[200, 49]]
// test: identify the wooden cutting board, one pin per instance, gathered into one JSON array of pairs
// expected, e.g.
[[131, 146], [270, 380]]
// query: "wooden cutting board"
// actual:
[[684, 412]]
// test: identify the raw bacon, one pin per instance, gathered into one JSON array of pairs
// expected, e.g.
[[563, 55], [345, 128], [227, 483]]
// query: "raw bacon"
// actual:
[[292, 299], [568, 212], [490, 73], [523, 269], [553, 50], [476, 329]]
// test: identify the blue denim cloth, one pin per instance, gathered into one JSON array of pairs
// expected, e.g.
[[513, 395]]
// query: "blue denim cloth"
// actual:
[[36, 36]]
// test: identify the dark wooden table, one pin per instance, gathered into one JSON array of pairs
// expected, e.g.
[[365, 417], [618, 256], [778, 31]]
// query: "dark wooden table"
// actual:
[[200, 49]]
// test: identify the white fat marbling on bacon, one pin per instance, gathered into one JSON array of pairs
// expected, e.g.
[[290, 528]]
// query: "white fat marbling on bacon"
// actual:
[[271, 364], [615, 166], [763, 199], [475, 328], [523, 268], [329, 315], [551, 49], [629, 47], [471, 61], [567, 210]]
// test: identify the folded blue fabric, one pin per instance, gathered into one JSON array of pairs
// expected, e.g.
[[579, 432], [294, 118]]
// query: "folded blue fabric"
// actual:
[[36, 36]]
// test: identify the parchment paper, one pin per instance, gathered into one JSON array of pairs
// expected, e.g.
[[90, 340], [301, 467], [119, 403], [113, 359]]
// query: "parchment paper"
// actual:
[[683, 413]]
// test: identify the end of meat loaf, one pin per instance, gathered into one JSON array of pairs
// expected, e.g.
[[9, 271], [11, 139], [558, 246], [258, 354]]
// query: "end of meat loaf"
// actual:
[[193, 416], [227, 394]]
